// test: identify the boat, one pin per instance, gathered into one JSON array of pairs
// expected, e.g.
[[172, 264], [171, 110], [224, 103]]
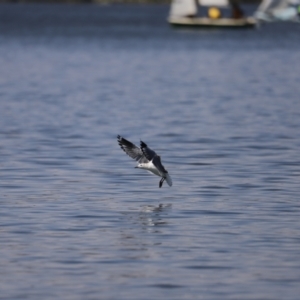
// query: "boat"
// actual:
[[278, 10], [185, 13]]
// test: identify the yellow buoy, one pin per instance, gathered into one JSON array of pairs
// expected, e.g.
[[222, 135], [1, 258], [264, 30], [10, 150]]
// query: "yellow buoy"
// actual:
[[214, 13]]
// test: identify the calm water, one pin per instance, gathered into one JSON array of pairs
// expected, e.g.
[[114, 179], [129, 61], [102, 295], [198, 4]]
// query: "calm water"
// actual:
[[221, 107]]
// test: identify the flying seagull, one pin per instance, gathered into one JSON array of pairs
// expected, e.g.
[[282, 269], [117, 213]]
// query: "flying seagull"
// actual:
[[147, 159]]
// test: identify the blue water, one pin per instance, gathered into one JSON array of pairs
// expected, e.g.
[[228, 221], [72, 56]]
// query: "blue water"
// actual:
[[221, 107]]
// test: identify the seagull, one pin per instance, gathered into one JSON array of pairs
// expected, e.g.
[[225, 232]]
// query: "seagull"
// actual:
[[147, 159]]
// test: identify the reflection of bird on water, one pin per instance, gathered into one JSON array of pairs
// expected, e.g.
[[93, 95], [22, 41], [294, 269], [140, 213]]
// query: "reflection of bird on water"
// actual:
[[153, 215], [147, 159], [159, 208]]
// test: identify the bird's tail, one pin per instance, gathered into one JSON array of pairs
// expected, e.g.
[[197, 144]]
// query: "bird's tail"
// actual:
[[169, 179]]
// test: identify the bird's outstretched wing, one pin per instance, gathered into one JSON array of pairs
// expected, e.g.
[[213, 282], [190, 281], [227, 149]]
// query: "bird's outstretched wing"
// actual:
[[149, 154], [157, 163], [131, 150]]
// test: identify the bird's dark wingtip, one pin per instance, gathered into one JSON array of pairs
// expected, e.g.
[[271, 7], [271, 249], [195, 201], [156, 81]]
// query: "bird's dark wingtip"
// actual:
[[120, 143], [161, 182], [143, 145]]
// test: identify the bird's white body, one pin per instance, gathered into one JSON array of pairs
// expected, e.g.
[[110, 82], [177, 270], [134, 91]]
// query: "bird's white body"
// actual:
[[152, 169], [149, 167]]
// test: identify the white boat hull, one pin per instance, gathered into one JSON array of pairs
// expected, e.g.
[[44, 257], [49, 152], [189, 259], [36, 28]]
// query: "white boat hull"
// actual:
[[207, 22]]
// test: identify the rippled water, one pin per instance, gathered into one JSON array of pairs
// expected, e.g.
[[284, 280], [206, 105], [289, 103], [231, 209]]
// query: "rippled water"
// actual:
[[222, 108]]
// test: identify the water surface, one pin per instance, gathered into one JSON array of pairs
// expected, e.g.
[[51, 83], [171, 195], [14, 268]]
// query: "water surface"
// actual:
[[221, 107]]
